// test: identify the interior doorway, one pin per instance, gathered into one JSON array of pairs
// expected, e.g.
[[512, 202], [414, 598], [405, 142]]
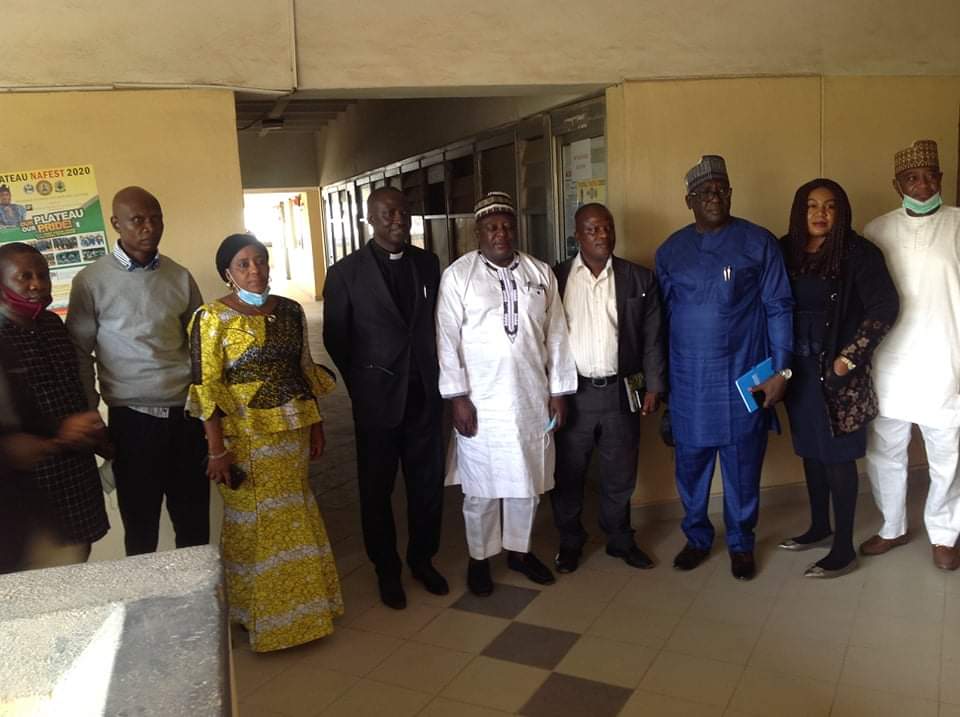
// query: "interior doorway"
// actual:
[[282, 220]]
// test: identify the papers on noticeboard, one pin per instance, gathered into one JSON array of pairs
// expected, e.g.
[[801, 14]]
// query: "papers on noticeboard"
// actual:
[[754, 377]]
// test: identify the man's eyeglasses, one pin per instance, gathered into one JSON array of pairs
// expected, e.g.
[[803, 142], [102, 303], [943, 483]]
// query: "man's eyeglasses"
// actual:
[[705, 195]]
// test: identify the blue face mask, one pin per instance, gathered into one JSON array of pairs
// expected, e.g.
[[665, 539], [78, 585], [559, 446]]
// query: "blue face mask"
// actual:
[[249, 297], [922, 208]]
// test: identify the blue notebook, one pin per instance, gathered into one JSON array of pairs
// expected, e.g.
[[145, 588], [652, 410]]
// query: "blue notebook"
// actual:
[[754, 377]]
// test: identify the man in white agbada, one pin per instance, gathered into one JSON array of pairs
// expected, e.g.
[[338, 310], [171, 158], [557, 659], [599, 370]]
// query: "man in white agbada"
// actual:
[[917, 368], [506, 365]]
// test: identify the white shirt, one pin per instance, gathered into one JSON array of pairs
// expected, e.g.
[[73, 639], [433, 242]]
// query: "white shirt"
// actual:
[[509, 382], [591, 307], [916, 368]]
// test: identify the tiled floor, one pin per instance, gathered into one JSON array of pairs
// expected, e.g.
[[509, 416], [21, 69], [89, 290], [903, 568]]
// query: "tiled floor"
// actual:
[[608, 639]]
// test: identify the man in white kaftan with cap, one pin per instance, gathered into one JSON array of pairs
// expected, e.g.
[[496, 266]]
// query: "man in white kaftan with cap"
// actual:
[[505, 364], [916, 369]]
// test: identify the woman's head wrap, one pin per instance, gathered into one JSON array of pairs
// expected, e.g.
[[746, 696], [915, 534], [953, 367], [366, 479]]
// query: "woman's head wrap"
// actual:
[[229, 248]]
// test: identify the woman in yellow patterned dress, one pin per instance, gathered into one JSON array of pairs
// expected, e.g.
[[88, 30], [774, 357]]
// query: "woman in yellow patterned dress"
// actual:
[[256, 388]]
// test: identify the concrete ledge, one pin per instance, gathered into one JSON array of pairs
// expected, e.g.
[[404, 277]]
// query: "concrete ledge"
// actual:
[[141, 636]]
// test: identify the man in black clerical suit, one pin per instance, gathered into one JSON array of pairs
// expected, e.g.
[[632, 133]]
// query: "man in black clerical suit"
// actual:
[[378, 326]]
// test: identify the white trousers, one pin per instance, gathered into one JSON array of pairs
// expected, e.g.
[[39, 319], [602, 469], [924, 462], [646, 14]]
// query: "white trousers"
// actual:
[[888, 439], [482, 517]]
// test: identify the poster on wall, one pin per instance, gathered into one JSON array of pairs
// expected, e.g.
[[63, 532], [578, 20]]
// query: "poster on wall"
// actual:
[[57, 211], [591, 190]]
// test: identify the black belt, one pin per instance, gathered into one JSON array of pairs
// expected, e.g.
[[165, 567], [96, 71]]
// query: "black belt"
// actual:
[[599, 382]]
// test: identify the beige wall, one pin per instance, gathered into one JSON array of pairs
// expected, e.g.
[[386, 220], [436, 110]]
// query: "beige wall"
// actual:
[[318, 241], [866, 119], [459, 43], [278, 160], [767, 129], [372, 133], [246, 43], [180, 145], [776, 133]]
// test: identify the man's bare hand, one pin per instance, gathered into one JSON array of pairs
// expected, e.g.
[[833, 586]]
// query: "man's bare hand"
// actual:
[[773, 390], [558, 411], [464, 416], [651, 403]]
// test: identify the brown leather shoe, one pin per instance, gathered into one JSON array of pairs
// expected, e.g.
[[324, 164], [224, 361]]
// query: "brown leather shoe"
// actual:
[[878, 546], [945, 557]]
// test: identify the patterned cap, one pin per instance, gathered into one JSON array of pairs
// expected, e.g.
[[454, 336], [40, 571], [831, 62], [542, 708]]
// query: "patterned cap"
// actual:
[[710, 166], [922, 153], [494, 203]]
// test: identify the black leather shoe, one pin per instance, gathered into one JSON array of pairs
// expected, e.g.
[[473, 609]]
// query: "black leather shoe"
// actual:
[[530, 565], [567, 560], [391, 593], [433, 581], [478, 577], [632, 556], [690, 557], [742, 566]]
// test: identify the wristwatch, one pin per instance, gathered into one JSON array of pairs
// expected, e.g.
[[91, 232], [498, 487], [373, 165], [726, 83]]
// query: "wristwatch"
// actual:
[[786, 373]]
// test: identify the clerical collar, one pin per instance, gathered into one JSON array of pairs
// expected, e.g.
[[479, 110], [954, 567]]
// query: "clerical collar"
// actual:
[[389, 255]]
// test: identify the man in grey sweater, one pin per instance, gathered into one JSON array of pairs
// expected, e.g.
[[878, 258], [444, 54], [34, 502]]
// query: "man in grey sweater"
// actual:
[[130, 310]]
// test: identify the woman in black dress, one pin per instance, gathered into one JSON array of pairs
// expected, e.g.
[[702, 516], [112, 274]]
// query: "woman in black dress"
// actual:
[[40, 366], [845, 304]]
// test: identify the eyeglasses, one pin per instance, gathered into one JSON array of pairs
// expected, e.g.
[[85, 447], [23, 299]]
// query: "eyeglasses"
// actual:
[[706, 195]]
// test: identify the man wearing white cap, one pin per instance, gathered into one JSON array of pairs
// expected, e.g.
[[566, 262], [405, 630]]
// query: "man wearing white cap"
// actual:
[[916, 369], [505, 365]]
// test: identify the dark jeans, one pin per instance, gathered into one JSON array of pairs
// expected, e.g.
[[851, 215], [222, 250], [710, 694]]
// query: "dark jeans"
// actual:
[[157, 458], [416, 446], [595, 419]]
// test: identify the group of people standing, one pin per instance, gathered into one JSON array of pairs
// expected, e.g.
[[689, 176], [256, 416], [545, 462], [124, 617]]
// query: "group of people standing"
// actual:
[[538, 366], [541, 368], [225, 390]]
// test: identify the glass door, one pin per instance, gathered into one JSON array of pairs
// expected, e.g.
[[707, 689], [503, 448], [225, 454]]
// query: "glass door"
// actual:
[[581, 150]]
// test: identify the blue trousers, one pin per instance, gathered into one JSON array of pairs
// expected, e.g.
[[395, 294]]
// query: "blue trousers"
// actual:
[[740, 465]]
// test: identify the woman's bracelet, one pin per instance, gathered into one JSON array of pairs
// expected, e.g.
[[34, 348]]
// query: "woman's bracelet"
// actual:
[[219, 455]]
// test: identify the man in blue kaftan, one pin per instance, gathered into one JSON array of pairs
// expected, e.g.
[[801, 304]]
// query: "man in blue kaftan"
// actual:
[[728, 304]]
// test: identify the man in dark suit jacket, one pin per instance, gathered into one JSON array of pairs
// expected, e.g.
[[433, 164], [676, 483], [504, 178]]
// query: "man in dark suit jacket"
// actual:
[[378, 326], [613, 312]]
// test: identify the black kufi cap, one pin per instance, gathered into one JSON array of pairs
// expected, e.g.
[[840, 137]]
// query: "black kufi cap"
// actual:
[[229, 248]]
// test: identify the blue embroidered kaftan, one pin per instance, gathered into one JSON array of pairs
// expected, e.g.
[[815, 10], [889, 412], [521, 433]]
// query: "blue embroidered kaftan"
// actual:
[[728, 306]]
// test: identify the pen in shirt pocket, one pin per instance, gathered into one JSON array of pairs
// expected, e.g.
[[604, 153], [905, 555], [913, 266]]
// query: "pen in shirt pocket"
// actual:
[[727, 272]]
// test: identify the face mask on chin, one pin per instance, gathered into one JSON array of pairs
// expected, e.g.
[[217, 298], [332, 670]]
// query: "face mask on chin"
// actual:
[[922, 208], [250, 297], [23, 307]]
